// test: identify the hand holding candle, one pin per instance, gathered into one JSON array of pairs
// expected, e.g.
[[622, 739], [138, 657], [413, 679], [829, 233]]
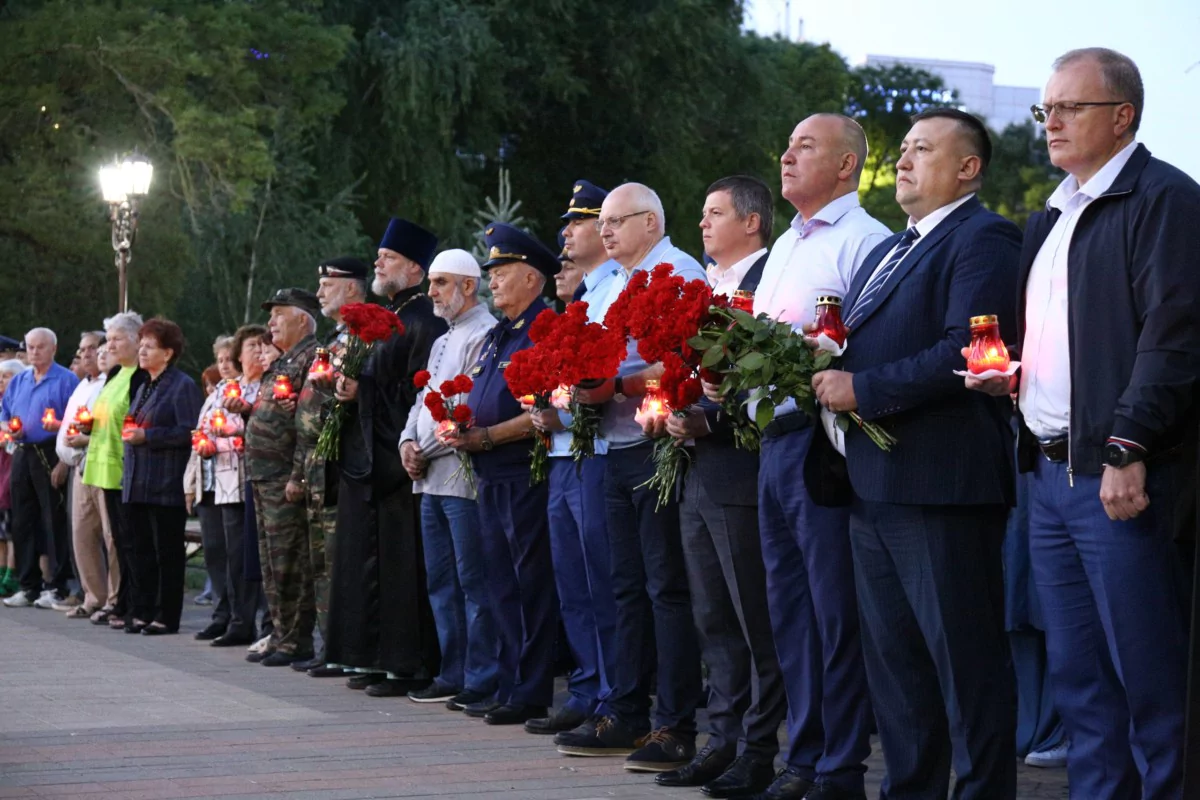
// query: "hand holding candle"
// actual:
[[282, 388], [321, 371], [987, 350], [83, 418], [653, 409], [15, 428], [50, 421]]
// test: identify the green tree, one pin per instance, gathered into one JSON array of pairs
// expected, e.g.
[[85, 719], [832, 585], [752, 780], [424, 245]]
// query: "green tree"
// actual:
[[1020, 178]]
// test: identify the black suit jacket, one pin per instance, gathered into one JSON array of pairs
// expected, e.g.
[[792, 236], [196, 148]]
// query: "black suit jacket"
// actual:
[[728, 473], [954, 446]]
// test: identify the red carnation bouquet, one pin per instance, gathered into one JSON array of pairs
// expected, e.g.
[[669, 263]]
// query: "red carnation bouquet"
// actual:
[[662, 311], [452, 415], [568, 351], [367, 324]]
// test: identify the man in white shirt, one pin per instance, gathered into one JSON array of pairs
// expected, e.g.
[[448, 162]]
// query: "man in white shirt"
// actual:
[[456, 573], [1109, 353]]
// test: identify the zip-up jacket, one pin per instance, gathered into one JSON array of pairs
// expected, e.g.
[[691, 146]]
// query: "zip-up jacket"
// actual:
[[1133, 284]]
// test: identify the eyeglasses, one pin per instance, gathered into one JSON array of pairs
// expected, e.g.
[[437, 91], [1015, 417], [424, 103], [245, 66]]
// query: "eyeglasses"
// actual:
[[1066, 111], [616, 222]]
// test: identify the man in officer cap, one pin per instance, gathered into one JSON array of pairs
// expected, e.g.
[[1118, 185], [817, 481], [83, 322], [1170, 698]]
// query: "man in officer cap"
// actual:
[[577, 516], [341, 281], [512, 513], [380, 621], [270, 452]]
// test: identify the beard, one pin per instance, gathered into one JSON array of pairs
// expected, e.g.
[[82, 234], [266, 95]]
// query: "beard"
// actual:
[[451, 308], [387, 287]]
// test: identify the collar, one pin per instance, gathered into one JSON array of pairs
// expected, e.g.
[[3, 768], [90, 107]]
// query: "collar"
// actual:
[[830, 214], [934, 218], [738, 270], [600, 273], [524, 319], [1100, 183], [403, 297], [308, 341], [654, 257], [478, 310]]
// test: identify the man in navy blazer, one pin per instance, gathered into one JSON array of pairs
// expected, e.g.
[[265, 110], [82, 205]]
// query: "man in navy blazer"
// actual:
[[927, 519]]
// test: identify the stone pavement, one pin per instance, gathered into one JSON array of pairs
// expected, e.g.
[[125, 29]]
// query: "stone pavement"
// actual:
[[90, 714]]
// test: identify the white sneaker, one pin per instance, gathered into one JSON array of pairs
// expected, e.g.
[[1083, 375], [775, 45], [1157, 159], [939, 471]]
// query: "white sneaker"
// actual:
[[1054, 758], [260, 646], [19, 600], [47, 600]]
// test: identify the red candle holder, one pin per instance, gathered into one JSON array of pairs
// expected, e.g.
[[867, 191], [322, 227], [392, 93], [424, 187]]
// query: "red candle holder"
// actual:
[[128, 426], [72, 430], [829, 320], [49, 417], [239, 444], [219, 422], [15, 425], [743, 300], [654, 405], [987, 348], [233, 391], [83, 416], [322, 366], [282, 387], [445, 430]]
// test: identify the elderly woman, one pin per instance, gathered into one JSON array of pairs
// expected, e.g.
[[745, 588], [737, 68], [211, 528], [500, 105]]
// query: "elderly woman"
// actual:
[[8, 572], [104, 466], [214, 484], [157, 443]]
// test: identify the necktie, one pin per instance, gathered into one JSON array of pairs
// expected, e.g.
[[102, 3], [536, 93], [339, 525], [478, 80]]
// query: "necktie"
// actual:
[[870, 292]]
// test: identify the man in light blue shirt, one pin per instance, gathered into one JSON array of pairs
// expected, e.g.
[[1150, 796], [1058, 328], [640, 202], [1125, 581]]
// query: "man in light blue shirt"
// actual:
[[39, 517], [578, 518], [648, 574]]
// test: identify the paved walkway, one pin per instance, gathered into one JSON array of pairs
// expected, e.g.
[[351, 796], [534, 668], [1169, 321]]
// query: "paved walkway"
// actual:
[[90, 714]]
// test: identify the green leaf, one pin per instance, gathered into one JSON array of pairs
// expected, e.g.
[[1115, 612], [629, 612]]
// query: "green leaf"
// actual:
[[700, 342], [763, 415], [751, 361], [712, 356], [822, 360]]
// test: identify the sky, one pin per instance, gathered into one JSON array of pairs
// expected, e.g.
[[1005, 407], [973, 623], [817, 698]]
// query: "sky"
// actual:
[[1021, 39]]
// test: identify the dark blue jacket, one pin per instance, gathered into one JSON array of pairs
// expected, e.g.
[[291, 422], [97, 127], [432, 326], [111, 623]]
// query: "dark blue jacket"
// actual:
[[1133, 283], [954, 445], [154, 470]]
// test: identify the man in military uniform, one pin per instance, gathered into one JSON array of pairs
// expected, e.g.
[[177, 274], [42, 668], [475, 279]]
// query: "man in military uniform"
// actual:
[[341, 281], [512, 514], [270, 452], [381, 624]]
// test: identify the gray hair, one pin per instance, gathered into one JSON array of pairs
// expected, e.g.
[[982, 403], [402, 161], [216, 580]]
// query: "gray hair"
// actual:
[[129, 322], [222, 342], [749, 196], [46, 332], [650, 201], [1121, 76], [11, 367], [99, 335], [854, 139]]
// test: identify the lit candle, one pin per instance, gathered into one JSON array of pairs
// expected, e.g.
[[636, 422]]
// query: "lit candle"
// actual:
[[72, 430], [49, 417], [239, 444], [128, 426], [283, 387], [653, 406], [321, 365], [218, 421], [987, 348], [15, 424], [829, 319], [233, 391], [83, 416], [743, 300], [445, 430]]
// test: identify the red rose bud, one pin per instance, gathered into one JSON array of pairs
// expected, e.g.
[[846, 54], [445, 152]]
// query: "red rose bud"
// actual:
[[448, 388], [462, 413], [465, 384], [421, 379]]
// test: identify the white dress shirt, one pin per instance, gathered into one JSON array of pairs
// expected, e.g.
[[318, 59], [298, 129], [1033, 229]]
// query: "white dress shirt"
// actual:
[[84, 395], [726, 281], [452, 354], [1045, 393], [813, 258]]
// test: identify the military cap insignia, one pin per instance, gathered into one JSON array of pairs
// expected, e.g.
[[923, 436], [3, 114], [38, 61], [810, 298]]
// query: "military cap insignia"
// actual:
[[495, 251], [488, 232], [578, 188]]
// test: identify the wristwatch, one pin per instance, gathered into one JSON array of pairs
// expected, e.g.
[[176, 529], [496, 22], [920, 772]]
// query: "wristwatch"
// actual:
[[487, 444], [1118, 455], [619, 389]]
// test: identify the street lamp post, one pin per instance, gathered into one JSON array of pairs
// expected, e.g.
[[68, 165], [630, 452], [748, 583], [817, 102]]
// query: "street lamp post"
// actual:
[[123, 185]]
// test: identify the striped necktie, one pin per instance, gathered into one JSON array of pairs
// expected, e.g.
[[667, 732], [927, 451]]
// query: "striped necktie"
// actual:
[[870, 292]]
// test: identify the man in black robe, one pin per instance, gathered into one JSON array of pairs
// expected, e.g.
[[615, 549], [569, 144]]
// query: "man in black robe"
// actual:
[[381, 625]]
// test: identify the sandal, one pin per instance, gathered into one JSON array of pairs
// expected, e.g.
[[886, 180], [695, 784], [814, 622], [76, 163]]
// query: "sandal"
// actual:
[[101, 617], [78, 612], [116, 623]]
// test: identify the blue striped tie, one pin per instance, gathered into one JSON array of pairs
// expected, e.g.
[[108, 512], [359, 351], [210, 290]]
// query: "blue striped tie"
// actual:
[[865, 298]]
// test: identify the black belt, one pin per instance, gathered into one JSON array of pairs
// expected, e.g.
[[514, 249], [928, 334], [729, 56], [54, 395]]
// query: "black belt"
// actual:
[[1055, 450], [787, 423]]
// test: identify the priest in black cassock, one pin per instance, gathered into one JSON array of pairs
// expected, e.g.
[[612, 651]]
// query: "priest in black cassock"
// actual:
[[381, 626]]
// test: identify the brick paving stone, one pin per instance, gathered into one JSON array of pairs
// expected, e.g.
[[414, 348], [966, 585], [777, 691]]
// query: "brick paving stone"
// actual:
[[90, 714]]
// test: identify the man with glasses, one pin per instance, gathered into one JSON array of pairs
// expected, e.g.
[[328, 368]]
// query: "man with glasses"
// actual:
[[1109, 350], [648, 576]]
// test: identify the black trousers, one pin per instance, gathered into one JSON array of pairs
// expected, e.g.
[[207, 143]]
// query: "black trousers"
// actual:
[[222, 529], [118, 518], [159, 559], [39, 519]]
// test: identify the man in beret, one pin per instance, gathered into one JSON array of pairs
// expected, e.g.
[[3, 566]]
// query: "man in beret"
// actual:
[[340, 281], [512, 514], [270, 452], [380, 621], [578, 523]]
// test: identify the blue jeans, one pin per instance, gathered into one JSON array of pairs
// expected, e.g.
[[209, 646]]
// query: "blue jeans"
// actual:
[[456, 575], [1116, 637]]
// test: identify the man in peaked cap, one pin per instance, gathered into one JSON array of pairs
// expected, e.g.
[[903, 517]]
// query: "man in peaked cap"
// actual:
[[576, 511], [380, 621], [341, 281], [270, 451], [512, 513]]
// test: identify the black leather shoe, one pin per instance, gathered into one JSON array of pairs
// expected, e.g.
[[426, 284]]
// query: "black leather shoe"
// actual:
[[513, 714], [565, 719], [231, 640], [709, 764], [745, 777], [213, 631], [788, 785], [829, 791], [256, 658], [395, 687], [307, 664], [481, 709], [278, 659], [325, 671], [158, 630], [364, 679]]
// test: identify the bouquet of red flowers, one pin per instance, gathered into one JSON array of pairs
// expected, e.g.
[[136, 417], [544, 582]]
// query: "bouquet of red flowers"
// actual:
[[568, 351], [367, 324], [453, 416], [662, 311]]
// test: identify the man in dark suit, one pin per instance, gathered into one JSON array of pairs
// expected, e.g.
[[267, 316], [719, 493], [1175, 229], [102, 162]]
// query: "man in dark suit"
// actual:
[[1109, 351], [927, 518], [721, 549]]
